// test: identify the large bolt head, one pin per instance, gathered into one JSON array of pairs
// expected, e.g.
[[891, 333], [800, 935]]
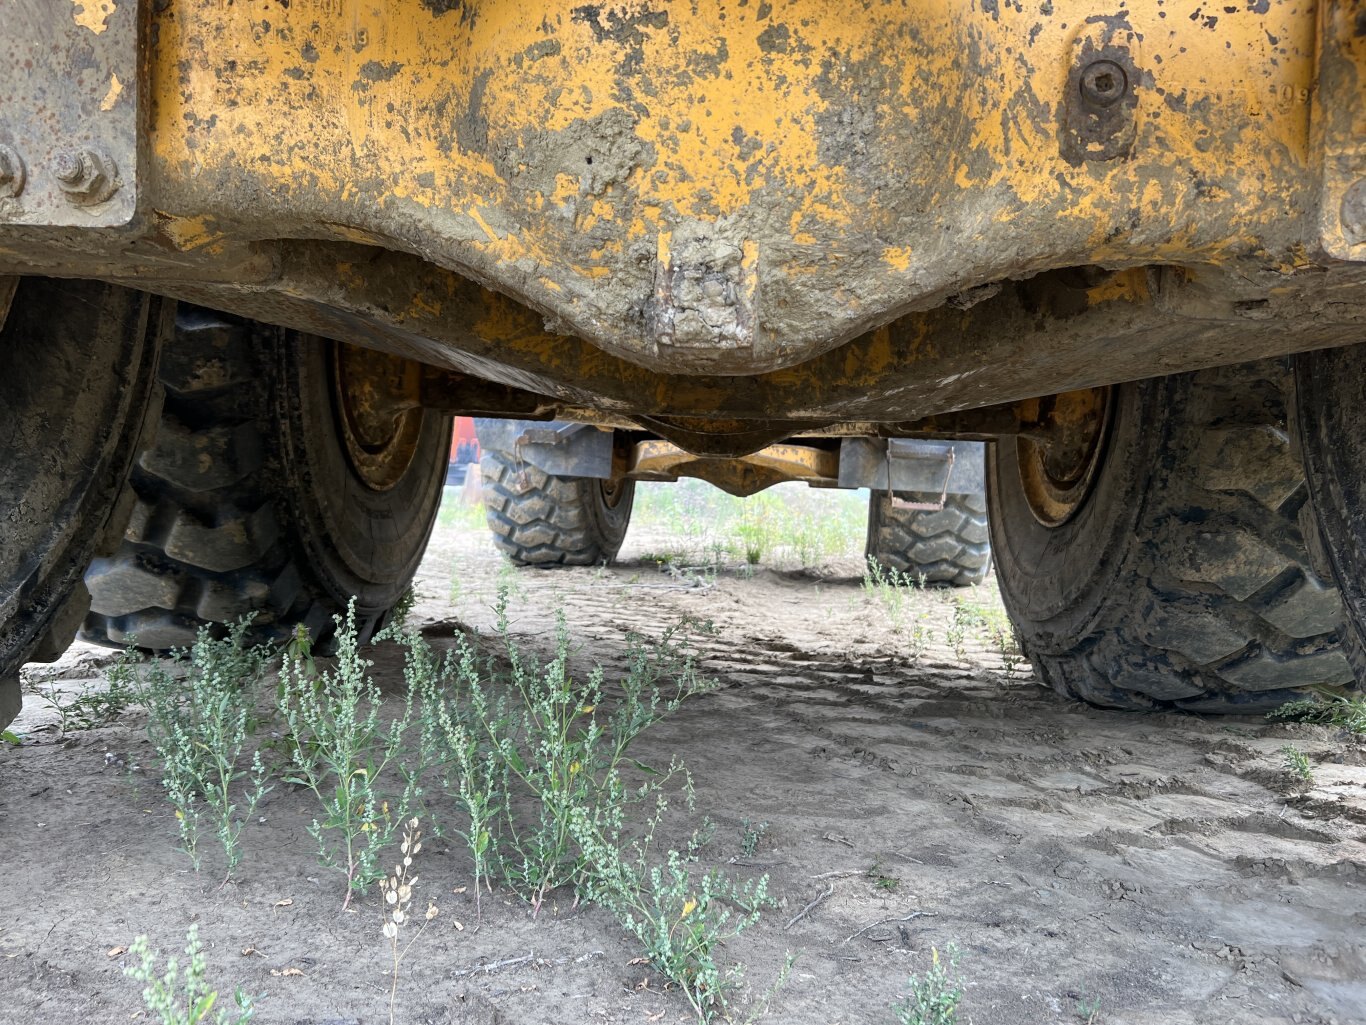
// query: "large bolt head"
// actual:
[[1103, 83], [87, 176]]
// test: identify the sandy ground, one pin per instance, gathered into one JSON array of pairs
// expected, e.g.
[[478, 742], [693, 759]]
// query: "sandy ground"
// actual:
[[1162, 869]]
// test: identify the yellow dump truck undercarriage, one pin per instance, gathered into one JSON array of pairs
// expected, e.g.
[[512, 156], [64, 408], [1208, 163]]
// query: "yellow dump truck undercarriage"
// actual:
[[803, 213], [745, 240]]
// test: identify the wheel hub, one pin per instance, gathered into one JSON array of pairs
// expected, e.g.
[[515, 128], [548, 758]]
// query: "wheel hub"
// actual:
[[379, 412], [1059, 460]]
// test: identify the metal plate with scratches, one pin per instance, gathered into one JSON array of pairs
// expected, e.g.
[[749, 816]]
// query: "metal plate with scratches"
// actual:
[[68, 125]]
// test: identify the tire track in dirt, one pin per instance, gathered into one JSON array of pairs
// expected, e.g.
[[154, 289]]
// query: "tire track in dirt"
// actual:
[[1146, 858]]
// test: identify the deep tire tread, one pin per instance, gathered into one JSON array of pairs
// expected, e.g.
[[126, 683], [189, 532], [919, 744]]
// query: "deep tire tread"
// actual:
[[541, 520], [946, 546], [1216, 605], [208, 541]]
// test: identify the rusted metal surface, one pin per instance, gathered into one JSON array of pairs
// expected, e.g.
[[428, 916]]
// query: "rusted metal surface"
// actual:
[[69, 145], [731, 224], [1051, 333], [1059, 463], [1340, 108], [559, 447], [379, 412], [745, 475], [913, 464]]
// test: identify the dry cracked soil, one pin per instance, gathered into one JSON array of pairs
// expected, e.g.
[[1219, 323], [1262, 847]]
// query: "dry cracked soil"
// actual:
[[1089, 866]]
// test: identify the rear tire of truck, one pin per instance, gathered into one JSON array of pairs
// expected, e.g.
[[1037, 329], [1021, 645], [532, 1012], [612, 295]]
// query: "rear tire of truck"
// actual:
[[541, 520], [1165, 567], [259, 498], [1331, 424], [78, 389], [950, 546]]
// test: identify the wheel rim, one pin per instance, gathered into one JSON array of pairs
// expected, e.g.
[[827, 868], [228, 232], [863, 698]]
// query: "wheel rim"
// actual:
[[379, 412], [1059, 464], [613, 491]]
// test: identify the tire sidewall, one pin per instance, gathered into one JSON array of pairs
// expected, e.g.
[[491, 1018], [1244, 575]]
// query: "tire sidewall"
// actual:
[[367, 543], [1330, 433], [77, 403], [1055, 579], [609, 521]]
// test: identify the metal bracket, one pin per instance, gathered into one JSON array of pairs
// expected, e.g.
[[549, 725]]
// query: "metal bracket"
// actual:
[[555, 447], [903, 503], [69, 119], [914, 464]]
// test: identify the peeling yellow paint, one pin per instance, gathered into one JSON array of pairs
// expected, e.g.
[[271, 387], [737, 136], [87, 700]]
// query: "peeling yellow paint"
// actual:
[[186, 233], [557, 146], [897, 257], [93, 14], [112, 96]]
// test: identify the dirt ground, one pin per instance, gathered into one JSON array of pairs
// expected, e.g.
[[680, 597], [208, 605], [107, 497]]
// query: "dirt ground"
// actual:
[[1118, 868]]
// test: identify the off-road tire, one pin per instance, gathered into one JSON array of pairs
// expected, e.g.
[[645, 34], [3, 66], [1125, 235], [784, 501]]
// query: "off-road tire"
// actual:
[[541, 520], [1183, 580], [1330, 401], [951, 545], [78, 390], [248, 505]]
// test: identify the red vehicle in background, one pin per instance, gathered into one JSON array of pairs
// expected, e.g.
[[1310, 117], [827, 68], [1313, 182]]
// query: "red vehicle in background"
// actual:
[[464, 451]]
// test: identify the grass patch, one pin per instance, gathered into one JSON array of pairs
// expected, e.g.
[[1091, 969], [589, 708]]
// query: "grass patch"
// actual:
[[787, 526]]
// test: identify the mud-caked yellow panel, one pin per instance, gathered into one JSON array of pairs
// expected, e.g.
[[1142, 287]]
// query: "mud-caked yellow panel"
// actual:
[[739, 186]]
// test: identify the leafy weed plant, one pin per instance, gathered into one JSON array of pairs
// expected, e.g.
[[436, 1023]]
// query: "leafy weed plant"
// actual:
[[89, 709], [200, 717], [341, 752], [677, 914], [548, 796], [934, 997], [890, 588], [750, 835], [182, 996], [1326, 710], [1297, 763], [533, 744]]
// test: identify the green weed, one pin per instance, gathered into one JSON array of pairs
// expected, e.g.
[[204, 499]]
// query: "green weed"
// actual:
[[340, 751], [546, 794], [91, 708], [1087, 1009], [535, 745], [1297, 763], [200, 717], [882, 881], [1326, 710], [934, 997], [890, 588], [181, 996], [750, 835], [679, 916]]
